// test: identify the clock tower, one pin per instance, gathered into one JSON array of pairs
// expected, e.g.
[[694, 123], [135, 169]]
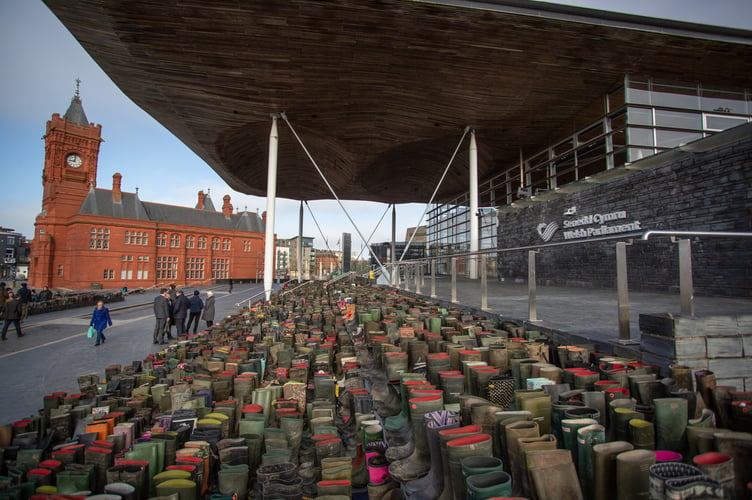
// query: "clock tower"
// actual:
[[70, 172]]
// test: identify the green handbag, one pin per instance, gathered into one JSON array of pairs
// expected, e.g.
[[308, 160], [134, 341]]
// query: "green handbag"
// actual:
[[91, 332]]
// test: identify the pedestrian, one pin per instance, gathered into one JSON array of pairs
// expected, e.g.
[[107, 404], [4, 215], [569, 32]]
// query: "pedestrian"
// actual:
[[208, 315], [196, 306], [45, 295], [171, 296], [24, 295], [230, 283], [180, 311], [162, 315], [12, 314], [100, 319]]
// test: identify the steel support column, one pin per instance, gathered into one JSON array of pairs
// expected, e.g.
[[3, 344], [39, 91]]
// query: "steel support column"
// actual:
[[271, 202], [622, 290], [394, 245], [473, 216], [454, 279], [433, 278], [483, 283], [532, 307], [299, 250], [686, 285]]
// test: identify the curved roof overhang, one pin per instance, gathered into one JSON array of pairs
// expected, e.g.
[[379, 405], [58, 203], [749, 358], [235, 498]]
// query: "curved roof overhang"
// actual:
[[381, 90]]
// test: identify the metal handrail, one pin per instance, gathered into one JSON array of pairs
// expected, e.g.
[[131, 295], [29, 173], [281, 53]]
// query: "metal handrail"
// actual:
[[339, 278], [250, 299], [301, 285], [680, 237]]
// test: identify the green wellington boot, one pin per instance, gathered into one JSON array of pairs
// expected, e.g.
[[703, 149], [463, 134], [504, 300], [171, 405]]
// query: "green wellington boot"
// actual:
[[444, 437], [489, 485], [553, 475], [569, 428], [632, 474], [587, 437], [704, 423], [671, 423], [642, 434], [457, 449], [604, 469], [233, 480]]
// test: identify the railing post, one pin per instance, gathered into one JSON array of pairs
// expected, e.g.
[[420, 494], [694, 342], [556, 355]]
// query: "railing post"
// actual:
[[532, 308], [433, 278], [483, 283], [622, 290], [686, 286], [417, 277], [454, 279]]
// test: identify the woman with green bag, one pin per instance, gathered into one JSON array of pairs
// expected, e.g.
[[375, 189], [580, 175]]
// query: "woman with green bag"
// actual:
[[100, 319]]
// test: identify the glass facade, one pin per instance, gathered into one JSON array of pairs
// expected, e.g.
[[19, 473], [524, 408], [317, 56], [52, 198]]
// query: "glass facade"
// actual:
[[639, 118]]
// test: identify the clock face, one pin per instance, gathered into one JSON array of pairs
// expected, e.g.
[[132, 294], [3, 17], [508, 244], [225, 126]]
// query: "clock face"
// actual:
[[74, 160]]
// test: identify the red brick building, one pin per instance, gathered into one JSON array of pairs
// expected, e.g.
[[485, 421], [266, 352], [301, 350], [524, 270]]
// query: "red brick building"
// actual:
[[86, 236]]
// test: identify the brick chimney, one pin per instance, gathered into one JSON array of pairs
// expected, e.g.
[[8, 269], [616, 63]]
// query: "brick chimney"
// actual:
[[117, 194], [226, 206], [200, 204]]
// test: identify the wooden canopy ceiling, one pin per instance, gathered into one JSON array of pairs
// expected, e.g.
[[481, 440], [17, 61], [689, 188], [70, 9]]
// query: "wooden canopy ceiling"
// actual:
[[381, 90]]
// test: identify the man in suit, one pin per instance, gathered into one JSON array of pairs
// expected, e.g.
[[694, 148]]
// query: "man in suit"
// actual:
[[162, 314], [180, 310]]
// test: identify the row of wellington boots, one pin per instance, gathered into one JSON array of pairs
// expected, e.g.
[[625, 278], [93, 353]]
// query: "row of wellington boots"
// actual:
[[457, 449], [430, 486], [418, 464], [445, 436]]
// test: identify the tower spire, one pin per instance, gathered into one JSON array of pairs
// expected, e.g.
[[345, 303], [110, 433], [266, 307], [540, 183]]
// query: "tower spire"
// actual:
[[75, 113]]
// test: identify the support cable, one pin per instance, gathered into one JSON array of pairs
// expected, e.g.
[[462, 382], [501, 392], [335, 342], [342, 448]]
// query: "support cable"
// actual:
[[326, 242], [331, 190], [374, 229], [443, 176]]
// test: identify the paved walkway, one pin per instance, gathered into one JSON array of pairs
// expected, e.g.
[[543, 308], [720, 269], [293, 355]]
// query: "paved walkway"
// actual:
[[588, 312]]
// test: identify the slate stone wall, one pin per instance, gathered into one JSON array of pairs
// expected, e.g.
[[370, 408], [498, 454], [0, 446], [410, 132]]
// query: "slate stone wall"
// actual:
[[708, 191]]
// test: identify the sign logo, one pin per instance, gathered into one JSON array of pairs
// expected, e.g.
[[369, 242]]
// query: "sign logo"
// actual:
[[585, 226]]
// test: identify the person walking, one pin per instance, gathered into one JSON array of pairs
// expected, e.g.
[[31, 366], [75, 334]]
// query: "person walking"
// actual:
[[100, 319], [196, 306], [45, 295], [171, 296], [162, 315], [12, 314], [24, 295], [208, 315], [230, 283], [180, 311]]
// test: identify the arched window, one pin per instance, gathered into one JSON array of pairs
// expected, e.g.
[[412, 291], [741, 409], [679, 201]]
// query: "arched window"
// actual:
[[190, 241]]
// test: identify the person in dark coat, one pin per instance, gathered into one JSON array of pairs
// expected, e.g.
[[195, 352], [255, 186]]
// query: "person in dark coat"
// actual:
[[196, 306], [180, 311], [45, 295], [12, 314], [162, 315], [171, 296], [208, 315], [100, 319], [24, 295], [230, 283]]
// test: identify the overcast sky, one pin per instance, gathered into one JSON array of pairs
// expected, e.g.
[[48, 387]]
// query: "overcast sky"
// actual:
[[41, 60]]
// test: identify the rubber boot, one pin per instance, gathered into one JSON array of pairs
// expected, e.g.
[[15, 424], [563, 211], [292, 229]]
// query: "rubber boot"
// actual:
[[704, 380], [417, 464], [334, 488], [444, 437], [553, 475], [514, 431], [540, 407], [569, 428], [480, 465], [386, 402], [336, 469], [671, 423], [484, 416], [476, 445], [233, 480], [661, 472], [124, 490], [503, 419], [705, 422], [293, 428], [597, 401], [501, 390], [587, 437], [642, 434], [690, 488], [632, 476], [184, 487], [489, 485], [720, 467], [683, 376], [720, 398], [604, 468], [620, 421], [737, 445], [384, 491], [526, 445], [378, 469], [430, 486]]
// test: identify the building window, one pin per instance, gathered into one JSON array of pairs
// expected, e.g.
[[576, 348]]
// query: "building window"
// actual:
[[136, 238], [202, 242], [175, 240], [126, 274], [99, 238], [247, 246], [190, 241], [108, 274], [142, 274], [167, 268], [59, 269], [226, 244], [161, 239], [194, 268], [220, 268], [215, 244]]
